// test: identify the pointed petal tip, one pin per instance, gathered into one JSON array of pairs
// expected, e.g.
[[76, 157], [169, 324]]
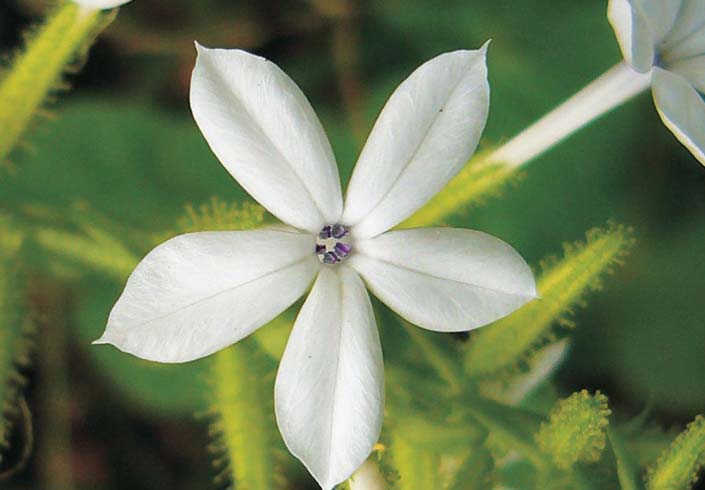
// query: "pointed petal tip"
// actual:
[[103, 340], [101, 4]]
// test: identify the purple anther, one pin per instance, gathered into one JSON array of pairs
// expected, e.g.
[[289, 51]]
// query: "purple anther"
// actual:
[[320, 248], [342, 249], [330, 258], [324, 233], [338, 231]]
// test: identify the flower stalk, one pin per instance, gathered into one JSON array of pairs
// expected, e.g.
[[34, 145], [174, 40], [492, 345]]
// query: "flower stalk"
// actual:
[[616, 86], [488, 173], [241, 404], [14, 332], [36, 71]]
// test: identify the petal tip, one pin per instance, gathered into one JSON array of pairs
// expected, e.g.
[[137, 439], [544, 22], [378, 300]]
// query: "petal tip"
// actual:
[[483, 49], [103, 340]]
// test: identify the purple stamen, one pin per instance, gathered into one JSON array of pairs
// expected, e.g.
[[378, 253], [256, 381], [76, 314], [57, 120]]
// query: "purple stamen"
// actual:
[[324, 233], [333, 244], [338, 231], [330, 258], [342, 249]]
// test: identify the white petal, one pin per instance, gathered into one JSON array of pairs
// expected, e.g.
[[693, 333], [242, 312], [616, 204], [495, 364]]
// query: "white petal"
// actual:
[[264, 131], [197, 293], [633, 34], [682, 110], [426, 132], [101, 4], [661, 16], [329, 393], [688, 31], [444, 279], [693, 45], [693, 70]]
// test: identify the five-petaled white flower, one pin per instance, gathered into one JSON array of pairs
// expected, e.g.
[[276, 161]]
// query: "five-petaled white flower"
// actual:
[[667, 38], [200, 292]]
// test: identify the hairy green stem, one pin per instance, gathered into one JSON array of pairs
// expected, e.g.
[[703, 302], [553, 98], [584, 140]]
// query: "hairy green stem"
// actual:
[[14, 345], [562, 286], [242, 405], [37, 69]]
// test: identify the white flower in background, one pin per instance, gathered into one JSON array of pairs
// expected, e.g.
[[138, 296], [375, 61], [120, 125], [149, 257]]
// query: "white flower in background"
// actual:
[[200, 292], [101, 4], [667, 38], [663, 45]]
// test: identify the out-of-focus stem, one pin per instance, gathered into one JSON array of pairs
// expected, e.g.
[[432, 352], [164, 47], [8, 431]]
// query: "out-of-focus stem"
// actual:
[[488, 173], [54, 438], [345, 42], [37, 68], [613, 88]]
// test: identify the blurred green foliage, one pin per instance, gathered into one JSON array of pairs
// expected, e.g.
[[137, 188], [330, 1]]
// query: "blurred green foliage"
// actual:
[[14, 334]]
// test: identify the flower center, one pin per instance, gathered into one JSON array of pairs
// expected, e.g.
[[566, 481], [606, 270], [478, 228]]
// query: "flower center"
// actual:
[[333, 244]]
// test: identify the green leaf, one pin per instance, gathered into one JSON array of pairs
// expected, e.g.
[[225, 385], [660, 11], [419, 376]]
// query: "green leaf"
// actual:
[[511, 427], [475, 472]]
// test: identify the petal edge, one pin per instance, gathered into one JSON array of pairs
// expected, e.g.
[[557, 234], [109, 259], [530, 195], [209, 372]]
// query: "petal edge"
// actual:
[[266, 134], [426, 132], [445, 279], [200, 292]]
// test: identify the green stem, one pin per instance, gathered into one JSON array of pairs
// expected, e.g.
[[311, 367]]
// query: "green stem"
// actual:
[[54, 447], [449, 369], [513, 426], [36, 70], [242, 403], [479, 180], [14, 343], [484, 176], [626, 471]]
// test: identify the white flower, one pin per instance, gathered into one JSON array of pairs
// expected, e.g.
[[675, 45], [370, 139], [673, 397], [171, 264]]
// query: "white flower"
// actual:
[[101, 4], [667, 38], [200, 292]]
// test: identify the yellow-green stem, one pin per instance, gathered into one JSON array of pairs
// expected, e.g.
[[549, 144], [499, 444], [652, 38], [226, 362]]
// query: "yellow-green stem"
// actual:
[[36, 70], [418, 467], [562, 286], [13, 331], [678, 467], [242, 403], [478, 180]]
